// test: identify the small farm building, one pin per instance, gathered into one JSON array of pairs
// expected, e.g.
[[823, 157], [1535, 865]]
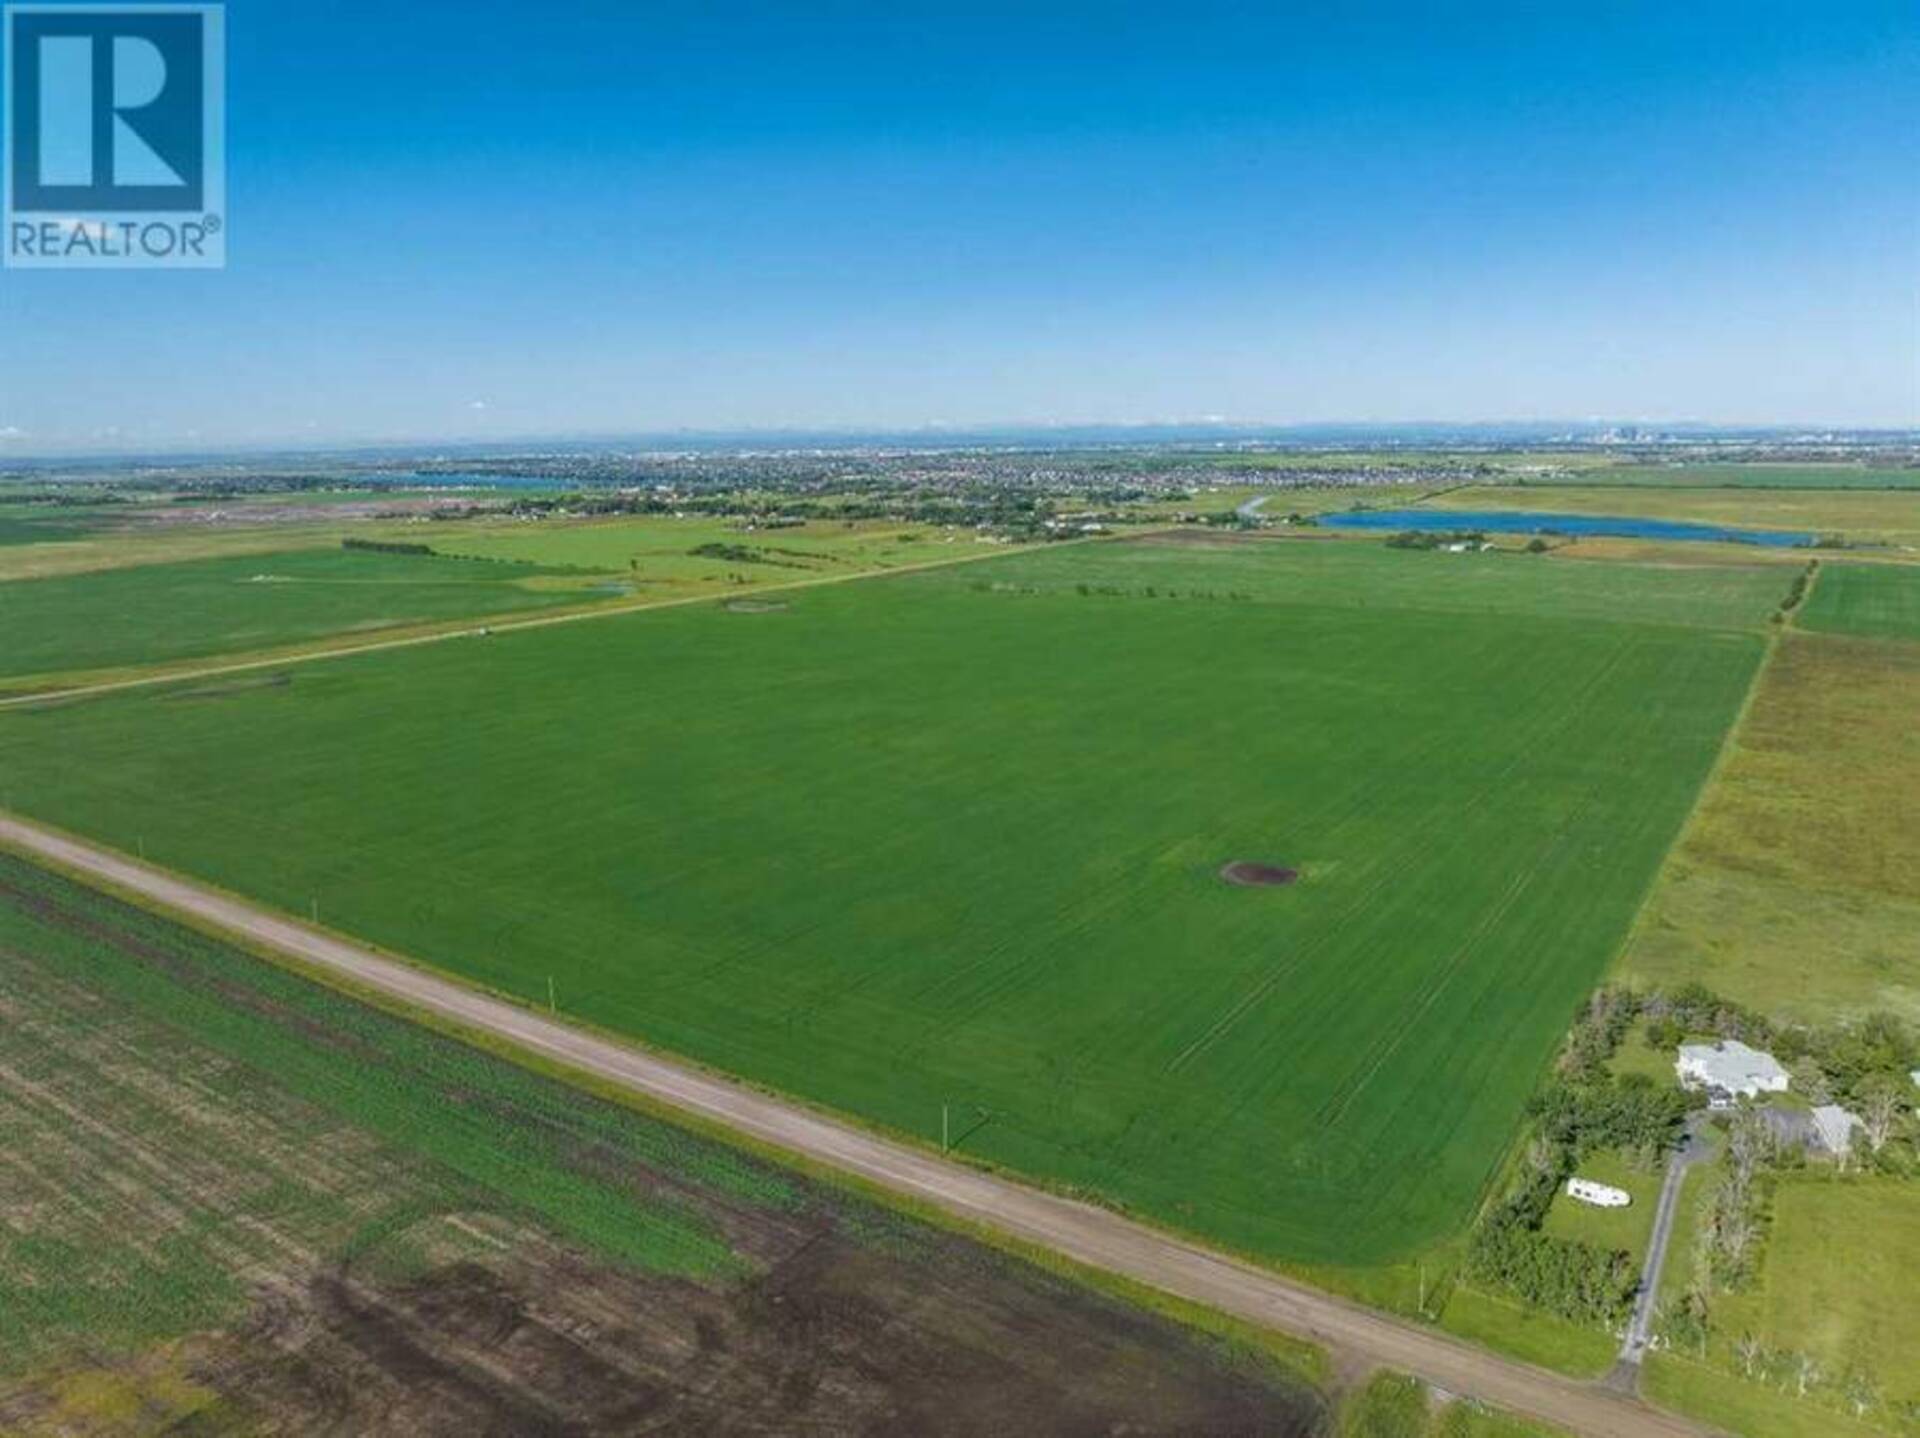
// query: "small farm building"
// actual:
[[1834, 1126], [1827, 1130]]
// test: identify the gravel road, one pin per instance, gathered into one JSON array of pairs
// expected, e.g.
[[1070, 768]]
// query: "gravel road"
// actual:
[[1080, 1232]]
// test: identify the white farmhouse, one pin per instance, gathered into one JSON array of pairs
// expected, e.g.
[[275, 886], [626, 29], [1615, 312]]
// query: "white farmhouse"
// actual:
[[1731, 1067], [1600, 1195]]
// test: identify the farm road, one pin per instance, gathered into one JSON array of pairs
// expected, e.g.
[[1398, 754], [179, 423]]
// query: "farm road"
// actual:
[[1080, 1232], [1626, 1376]]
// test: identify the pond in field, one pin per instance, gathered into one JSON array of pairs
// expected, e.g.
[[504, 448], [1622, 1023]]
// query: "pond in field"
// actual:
[[1489, 521]]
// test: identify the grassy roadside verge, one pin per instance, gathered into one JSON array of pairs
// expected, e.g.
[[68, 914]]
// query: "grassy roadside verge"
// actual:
[[1732, 1403], [1392, 1405]]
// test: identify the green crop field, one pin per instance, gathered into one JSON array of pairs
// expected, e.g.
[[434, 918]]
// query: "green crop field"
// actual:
[[1878, 600], [1363, 574], [1863, 516], [237, 1202], [655, 550], [953, 838], [37, 524], [1760, 475], [160, 612]]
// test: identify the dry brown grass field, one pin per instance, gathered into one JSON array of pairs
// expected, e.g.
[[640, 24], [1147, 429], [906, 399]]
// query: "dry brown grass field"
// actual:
[[1796, 888]]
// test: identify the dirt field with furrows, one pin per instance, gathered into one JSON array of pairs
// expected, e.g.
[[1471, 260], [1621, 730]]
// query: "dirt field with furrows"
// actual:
[[530, 1338], [231, 1202]]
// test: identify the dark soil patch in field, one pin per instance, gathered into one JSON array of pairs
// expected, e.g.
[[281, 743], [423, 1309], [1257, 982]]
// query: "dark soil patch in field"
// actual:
[[838, 1338], [1245, 875]]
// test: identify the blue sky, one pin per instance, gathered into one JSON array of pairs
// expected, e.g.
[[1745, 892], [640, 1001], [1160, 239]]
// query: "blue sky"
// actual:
[[491, 220]]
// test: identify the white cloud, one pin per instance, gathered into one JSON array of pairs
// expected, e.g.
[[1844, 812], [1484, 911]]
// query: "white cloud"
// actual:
[[12, 431]]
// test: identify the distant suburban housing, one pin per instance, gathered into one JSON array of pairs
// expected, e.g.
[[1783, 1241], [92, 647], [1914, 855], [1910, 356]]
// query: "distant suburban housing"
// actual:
[[1730, 1067], [1600, 1195]]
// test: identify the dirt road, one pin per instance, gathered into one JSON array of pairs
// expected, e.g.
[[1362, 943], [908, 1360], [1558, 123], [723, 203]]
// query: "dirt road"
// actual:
[[1077, 1231]]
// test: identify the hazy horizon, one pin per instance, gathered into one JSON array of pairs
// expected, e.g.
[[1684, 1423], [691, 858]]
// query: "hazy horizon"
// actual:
[[645, 220], [1306, 438]]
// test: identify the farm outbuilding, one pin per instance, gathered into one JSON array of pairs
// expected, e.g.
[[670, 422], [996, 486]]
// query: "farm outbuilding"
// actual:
[[1834, 1127], [1828, 1129], [1732, 1067]]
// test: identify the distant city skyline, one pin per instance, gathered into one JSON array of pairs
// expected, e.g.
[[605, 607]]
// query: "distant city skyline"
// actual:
[[1300, 439], [626, 219]]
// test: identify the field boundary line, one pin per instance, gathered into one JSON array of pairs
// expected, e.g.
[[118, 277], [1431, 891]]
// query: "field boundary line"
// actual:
[[1722, 760], [510, 622], [1079, 1232], [1816, 571]]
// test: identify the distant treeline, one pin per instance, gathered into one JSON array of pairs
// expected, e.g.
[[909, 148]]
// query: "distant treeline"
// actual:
[[386, 546], [1434, 538], [62, 498], [746, 554], [1113, 591], [1797, 592]]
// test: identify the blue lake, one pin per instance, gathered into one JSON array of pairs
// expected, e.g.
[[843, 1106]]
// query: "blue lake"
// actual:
[[1450, 521]]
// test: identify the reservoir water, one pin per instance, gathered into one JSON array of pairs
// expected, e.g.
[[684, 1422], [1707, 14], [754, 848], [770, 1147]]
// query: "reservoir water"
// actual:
[[1508, 521]]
